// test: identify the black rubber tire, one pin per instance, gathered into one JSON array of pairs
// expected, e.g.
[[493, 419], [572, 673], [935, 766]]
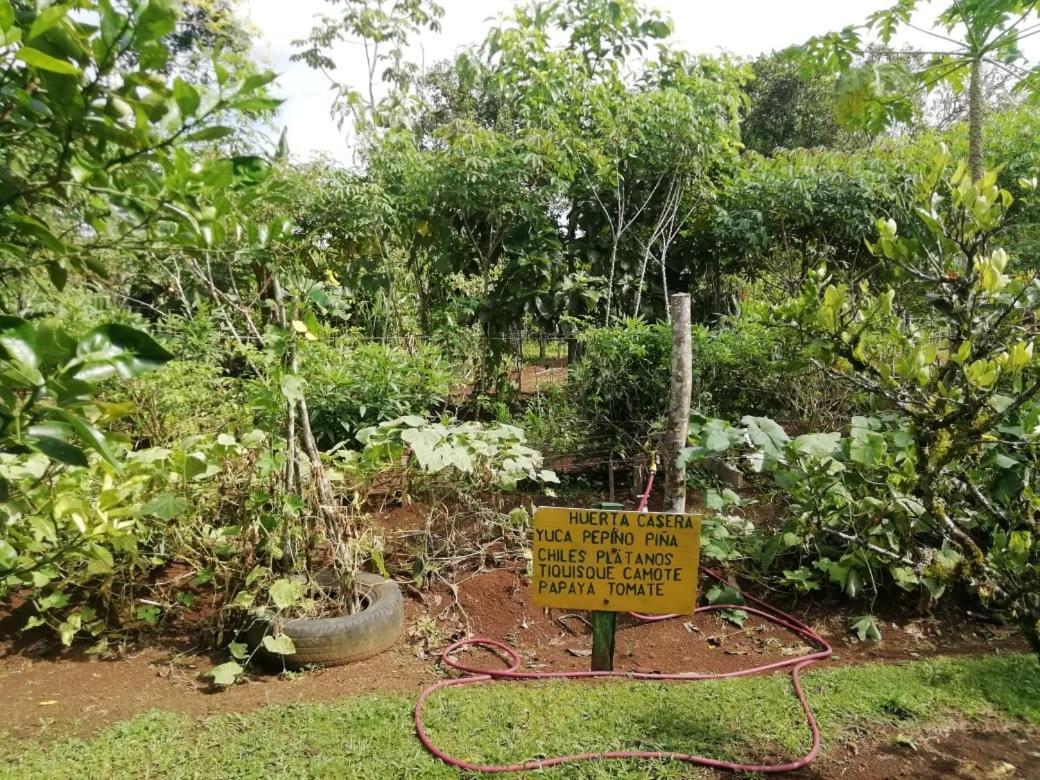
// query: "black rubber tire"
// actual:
[[341, 640]]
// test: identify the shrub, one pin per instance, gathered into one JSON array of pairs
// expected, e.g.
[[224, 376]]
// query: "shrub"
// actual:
[[743, 367], [621, 382], [184, 398], [554, 422], [355, 386], [939, 488], [451, 456], [87, 541], [746, 366]]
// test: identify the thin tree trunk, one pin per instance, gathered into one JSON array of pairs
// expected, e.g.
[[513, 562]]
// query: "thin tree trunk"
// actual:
[[610, 280], [976, 117], [572, 232], [302, 428], [678, 405], [321, 480]]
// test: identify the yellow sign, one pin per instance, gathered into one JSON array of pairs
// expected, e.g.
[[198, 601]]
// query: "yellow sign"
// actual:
[[614, 561]]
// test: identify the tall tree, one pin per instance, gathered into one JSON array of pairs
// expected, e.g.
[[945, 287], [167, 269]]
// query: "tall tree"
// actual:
[[787, 108], [98, 149], [971, 35], [383, 28]]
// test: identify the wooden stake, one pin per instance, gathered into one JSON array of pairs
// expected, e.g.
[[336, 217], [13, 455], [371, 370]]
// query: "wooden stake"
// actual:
[[604, 628], [678, 405]]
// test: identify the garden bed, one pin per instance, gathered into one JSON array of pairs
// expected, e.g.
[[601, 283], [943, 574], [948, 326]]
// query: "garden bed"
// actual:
[[51, 694]]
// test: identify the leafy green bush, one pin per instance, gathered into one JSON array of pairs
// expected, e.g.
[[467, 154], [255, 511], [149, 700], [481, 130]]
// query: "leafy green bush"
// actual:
[[86, 564], [745, 366], [621, 382], [742, 367], [354, 386], [183, 398], [554, 423], [939, 489], [451, 455], [838, 529]]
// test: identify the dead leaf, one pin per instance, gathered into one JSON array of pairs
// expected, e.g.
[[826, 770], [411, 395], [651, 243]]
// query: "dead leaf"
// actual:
[[904, 741], [914, 629], [1000, 770], [579, 653]]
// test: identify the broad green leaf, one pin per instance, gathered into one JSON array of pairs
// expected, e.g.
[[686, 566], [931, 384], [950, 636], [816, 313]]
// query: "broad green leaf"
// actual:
[[285, 593], [18, 341], [6, 15], [292, 388], [117, 349], [461, 459], [87, 433], [725, 594], [239, 651], [255, 81], [905, 577], [156, 19], [280, 645], [186, 97], [243, 599], [867, 447], [260, 104], [8, 555], [37, 59], [214, 133], [768, 438], [149, 614], [816, 445], [866, 629], [737, 617], [165, 506], [226, 673], [46, 19], [68, 629], [1000, 403], [32, 227], [255, 438], [250, 169], [58, 275], [716, 441], [59, 450]]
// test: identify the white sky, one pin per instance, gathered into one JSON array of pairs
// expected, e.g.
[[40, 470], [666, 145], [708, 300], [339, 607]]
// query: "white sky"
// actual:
[[744, 27]]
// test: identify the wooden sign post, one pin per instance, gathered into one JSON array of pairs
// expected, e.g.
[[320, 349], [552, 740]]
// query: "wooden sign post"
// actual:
[[604, 624], [608, 561]]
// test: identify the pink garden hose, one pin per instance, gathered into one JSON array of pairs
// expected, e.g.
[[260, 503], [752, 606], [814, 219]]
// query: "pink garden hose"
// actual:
[[478, 675]]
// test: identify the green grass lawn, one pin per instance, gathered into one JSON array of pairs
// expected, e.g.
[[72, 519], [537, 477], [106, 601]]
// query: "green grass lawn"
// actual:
[[372, 737]]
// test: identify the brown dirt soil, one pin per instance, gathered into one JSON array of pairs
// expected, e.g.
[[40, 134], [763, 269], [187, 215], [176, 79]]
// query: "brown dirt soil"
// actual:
[[497, 604], [50, 694], [963, 753], [537, 377]]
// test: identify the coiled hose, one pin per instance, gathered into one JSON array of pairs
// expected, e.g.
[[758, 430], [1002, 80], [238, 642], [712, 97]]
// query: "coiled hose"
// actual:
[[478, 675]]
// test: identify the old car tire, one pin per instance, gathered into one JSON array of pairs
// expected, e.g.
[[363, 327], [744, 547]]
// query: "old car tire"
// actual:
[[340, 640]]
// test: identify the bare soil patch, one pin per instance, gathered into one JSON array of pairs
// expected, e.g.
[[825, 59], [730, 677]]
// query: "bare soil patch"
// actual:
[[50, 693], [965, 753], [496, 604]]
